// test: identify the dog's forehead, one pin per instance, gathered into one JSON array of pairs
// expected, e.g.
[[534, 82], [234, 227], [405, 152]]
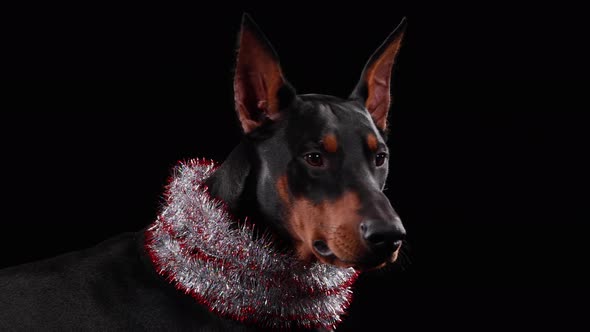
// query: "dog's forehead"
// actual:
[[322, 115]]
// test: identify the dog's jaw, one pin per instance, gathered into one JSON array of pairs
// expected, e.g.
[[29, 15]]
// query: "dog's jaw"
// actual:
[[194, 243]]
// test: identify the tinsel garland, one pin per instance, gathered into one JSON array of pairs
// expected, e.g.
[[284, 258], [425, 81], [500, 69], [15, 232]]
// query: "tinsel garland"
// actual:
[[199, 247]]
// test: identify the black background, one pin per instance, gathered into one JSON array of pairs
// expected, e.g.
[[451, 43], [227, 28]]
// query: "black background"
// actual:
[[487, 145]]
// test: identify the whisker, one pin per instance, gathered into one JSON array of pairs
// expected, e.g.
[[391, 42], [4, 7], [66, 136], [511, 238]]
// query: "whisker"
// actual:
[[404, 255], [404, 260]]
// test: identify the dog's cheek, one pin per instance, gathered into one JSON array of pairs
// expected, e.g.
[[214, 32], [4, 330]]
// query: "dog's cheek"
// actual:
[[283, 189], [301, 220], [292, 217], [300, 214]]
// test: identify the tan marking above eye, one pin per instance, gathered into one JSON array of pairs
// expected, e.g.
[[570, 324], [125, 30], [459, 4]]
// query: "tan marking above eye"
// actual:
[[372, 142], [330, 143]]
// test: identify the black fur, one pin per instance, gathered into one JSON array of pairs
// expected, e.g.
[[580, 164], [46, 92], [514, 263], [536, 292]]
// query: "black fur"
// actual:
[[110, 287], [114, 287]]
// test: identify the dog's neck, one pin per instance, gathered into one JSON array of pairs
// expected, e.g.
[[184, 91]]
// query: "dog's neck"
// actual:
[[197, 245], [234, 183], [229, 181]]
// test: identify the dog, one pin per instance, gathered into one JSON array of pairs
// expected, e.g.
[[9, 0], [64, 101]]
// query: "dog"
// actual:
[[272, 238]]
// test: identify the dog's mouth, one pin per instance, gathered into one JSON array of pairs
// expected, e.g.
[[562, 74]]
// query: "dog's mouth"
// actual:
[[322, 249], [367, 262]]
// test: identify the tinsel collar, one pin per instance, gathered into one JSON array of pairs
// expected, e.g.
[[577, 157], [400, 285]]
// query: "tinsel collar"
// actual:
[[197, 245]]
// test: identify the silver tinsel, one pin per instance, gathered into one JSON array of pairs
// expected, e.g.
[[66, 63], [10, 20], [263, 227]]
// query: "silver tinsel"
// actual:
[[200, 248]]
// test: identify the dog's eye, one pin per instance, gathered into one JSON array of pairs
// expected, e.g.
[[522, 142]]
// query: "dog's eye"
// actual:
[[314, 159], [380, 159]]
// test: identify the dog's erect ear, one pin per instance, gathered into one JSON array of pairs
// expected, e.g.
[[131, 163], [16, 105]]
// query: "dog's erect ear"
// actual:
[[374, 87], [260, 90]]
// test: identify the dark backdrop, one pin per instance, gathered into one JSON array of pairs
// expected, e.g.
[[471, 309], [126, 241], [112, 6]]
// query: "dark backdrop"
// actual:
[[486, 139]]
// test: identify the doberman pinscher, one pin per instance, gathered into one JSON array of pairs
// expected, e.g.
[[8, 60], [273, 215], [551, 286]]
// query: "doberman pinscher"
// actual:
[[309, 174]]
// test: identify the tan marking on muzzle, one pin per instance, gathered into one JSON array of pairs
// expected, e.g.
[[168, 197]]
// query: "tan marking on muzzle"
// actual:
[[336, 222]]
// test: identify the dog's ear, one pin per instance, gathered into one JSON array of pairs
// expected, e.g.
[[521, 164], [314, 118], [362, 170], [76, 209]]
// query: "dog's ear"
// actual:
[[260, 90], [373, 88]]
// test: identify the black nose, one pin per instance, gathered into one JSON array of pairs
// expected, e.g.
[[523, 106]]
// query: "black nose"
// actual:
[[383, 237]]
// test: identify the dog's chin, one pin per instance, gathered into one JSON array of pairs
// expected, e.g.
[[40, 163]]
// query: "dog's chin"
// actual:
[[360, 265], [363, 262], [375, 264]]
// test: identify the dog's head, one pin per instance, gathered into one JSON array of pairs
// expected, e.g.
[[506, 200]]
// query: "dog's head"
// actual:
[[322, 160]]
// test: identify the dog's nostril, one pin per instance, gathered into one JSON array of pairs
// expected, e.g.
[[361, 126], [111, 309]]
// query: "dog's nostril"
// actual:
[[376, 238], [377, 234]]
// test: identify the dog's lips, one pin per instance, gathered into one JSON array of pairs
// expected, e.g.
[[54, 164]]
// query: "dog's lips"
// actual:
[[375, 263], [322, 249], [324, 254]]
